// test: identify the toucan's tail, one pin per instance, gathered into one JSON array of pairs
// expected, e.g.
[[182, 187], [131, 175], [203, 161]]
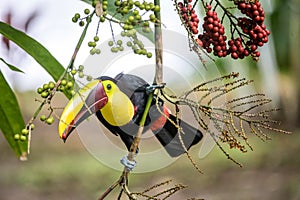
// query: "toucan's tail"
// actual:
[[168, 136]]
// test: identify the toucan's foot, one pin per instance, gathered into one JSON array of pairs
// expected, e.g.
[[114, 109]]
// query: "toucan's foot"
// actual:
[[151, 88], [130, 165]]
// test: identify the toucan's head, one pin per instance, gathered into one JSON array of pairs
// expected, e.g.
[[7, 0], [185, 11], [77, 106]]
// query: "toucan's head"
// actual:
[[102, 95]]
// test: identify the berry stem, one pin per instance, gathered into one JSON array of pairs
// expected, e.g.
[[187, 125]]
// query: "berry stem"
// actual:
[[79, 43]]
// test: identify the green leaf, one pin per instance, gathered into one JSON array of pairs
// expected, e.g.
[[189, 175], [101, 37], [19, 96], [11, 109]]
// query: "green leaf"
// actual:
[[11, 119], [33, 48], [13, 68], [111, 10]]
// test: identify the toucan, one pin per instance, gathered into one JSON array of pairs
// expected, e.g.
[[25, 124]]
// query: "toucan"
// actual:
[[119, 104]]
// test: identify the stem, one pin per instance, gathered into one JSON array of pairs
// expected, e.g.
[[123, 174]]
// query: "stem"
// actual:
[[79, 43], [158, 48]]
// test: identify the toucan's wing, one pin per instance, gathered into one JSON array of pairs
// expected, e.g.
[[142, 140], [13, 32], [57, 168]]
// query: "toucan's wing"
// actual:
[[168, 136]]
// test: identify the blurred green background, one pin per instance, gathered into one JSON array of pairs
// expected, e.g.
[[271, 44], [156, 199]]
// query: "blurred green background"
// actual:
[[272, 171]]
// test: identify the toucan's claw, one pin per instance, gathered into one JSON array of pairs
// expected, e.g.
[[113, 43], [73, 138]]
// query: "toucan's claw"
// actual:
[[130, 165]]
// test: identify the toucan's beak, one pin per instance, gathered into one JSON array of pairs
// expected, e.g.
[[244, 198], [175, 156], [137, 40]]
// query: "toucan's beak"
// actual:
[[88, 100]]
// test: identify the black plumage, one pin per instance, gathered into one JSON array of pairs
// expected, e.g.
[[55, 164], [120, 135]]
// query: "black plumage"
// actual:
[[135, 88]]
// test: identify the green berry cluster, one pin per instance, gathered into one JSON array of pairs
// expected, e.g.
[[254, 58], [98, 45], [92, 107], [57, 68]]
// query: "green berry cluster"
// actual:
[[24, 133], [48, 120], [93, 45], [64, 85], [81, 21], [116, 46], [80, 73], [132, 18]]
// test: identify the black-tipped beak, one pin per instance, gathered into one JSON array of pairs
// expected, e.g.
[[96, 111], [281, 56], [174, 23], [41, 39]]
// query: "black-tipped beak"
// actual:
[[88, 100]]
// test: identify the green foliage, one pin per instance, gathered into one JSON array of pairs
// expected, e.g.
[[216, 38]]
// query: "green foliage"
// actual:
[[111, 10], [34, 49], [12, 67], [11, 118]]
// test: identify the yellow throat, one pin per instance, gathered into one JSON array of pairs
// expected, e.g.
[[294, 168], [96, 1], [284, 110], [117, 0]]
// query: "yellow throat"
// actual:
[[119, 110]]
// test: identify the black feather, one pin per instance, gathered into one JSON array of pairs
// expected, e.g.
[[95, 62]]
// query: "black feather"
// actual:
[[135, 88]]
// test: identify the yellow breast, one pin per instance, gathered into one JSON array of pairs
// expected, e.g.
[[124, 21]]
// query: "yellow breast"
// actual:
[[119, 110]]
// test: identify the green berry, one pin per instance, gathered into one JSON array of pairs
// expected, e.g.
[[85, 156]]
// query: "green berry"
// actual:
[[43, 117], [119, 42], [144, 52], [32, 126], [89, 78], [73, 71], [131, 18], [92, 44], [72, 92], [77, 15], [102, 19], [51, 85], [24, 131], [69, 85], [93, 51], [45, 87], [81, 23], [81, 75], [156, 8], [142, 6], [40, 90], [63, 82], [104, 7], [80, 68], [50, 120], [138, 17], [110, 43], [96, 38], [88, 19], [86, 11], [149, 55], [152, 18], [117, 3], [146, 24], [125, 11], [126, 27], [121, 48], [146, 30], [147, 7], [136, 12], [16, 136], [61, 88], [114, 49], [23, 137], [137, 3], [44, 94], [74, 19], [123, 33], [98, 51], [129, 44], [105, 2]]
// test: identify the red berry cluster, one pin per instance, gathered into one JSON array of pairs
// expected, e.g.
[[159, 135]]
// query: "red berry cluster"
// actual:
[[189, 16], [236, 49], [253, 26], [252, 10], [214, 33]]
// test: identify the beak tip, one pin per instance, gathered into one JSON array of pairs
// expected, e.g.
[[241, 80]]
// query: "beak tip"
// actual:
[[64, 137]]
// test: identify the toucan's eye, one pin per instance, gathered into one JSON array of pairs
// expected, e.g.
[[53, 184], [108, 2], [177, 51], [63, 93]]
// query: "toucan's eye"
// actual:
[[108, 86]]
